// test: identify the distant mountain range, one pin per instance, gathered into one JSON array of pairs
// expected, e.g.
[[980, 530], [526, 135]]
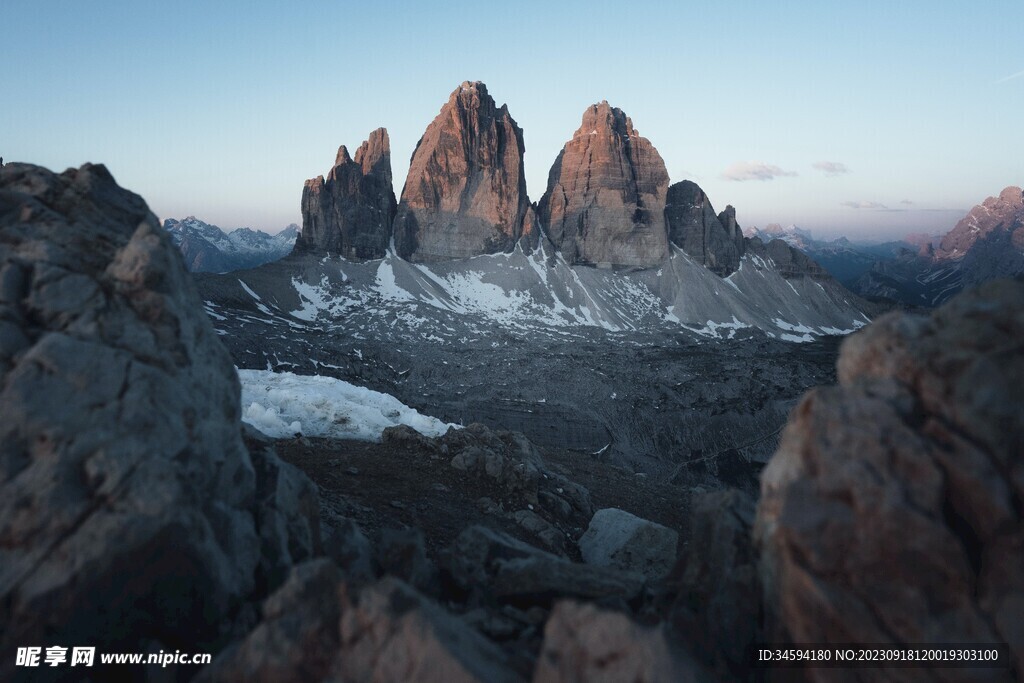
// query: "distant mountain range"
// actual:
[[846, 261], [987, 243], [209, 249], [922, 270]]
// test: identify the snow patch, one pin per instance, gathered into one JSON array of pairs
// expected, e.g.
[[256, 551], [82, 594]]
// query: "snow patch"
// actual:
[[281, 404]]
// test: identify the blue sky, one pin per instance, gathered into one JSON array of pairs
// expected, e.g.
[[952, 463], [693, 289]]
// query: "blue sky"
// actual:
[[222, 109]]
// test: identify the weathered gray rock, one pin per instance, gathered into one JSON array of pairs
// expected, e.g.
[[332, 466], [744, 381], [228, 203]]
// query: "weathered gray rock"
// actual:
[[585, 644], [348, 546], [694, 228], [890, 512], [514, 462], [130, 510], [616, 538], [503, 568], [287, 516], [351, 212], [718, 611], [789, 261], [317, 628], [402, 554], [605, 199], [297, 637], [466, 191]]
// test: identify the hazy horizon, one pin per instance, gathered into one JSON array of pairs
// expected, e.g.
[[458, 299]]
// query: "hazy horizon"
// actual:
[[870, 121]]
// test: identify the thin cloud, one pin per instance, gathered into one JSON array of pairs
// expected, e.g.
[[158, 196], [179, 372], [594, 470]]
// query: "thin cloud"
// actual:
[[831, 168], [907, 202], [864, 205], [1009, 78], [754, 170]]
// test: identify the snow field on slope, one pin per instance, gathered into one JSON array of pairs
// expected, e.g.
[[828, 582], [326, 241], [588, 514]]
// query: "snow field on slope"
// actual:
[[281, 404]]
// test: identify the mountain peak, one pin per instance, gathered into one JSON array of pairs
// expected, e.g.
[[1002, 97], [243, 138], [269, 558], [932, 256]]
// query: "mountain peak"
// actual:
[[466, 190], [605, 199], [350, 212]]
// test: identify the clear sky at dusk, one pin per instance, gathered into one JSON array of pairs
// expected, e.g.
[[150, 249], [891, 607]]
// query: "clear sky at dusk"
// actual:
[[794, 112]]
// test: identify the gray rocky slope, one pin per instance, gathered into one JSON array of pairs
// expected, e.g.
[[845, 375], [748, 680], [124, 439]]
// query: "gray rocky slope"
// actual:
[[575, 357]]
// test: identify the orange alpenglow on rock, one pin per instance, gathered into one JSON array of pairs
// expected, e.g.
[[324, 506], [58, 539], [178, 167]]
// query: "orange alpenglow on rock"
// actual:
[[466, 192], [605, 200]]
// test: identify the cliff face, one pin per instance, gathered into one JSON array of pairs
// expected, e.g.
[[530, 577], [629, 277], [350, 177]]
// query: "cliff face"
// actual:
[[605, 200], [1004, 213], [714, 241], [351, 212], [466, 192]]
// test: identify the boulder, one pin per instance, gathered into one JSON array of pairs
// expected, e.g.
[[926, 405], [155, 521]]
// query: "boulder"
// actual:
[[350, 213], [317, 628], [605, 199], [131, 512], [348, 546], [718, 611], [890, 512], [694, 228], [616, 538], [466, 192], [514, 462], [402, 553], [586, 644], [500, 567]]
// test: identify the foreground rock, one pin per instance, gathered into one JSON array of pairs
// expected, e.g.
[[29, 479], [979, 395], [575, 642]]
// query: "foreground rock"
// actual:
[[718, 611], [130, 510], [605, 199], [890, 512], [350, 213], [466, 191], [542, 502], [616, 538], [714, 241], [316, 628], [585, 644], [498, 567]]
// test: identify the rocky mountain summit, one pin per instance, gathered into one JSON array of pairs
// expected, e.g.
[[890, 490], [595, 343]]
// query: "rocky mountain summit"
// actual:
[[1002, 214], [351, 212], [209, 249], [466, 192], [605, 200], [608, 202], [714, 241]]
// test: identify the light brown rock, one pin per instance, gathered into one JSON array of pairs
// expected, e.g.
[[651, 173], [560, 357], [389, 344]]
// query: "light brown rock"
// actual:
[[890, 512], [605, 199], [466, 192], [318, 628], [585, 644]]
